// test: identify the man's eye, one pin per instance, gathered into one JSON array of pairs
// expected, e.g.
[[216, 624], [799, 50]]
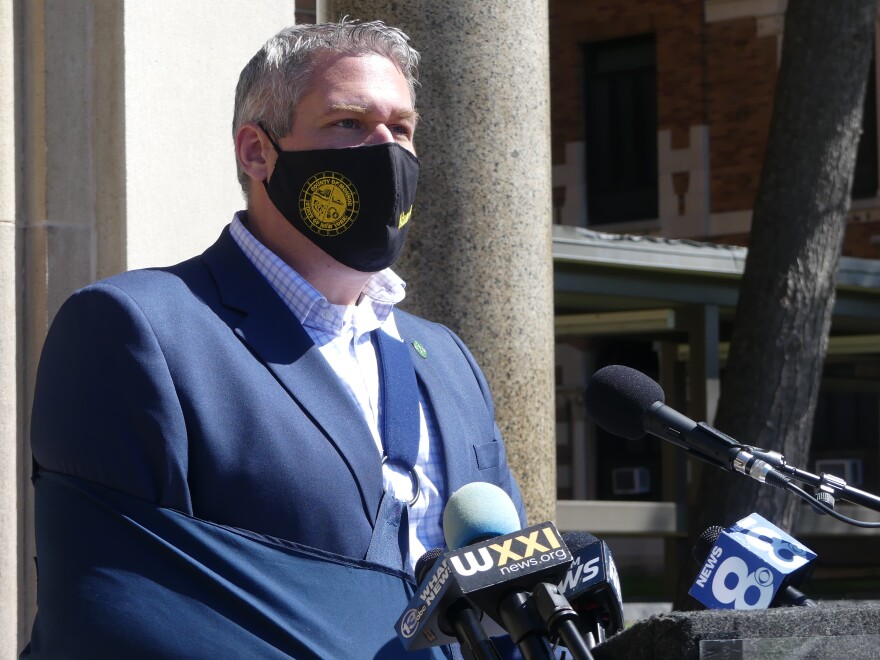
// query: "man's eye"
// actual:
[[347, 123]]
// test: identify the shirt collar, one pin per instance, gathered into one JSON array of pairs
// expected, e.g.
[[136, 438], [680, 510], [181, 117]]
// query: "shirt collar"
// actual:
[[382, 291]]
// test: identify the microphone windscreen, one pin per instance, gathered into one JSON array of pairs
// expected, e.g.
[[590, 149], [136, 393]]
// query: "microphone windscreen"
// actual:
[[425, 562], [705, 542], [478, 511], [577, 541], [618, 397]]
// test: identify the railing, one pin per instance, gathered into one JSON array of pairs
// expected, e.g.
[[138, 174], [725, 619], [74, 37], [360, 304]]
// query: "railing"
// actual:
[[664, 519]]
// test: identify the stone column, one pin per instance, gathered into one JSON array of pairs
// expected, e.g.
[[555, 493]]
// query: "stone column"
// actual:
[[479, 254]]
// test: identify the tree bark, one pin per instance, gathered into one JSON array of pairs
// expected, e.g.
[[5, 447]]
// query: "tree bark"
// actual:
[[780, 334]]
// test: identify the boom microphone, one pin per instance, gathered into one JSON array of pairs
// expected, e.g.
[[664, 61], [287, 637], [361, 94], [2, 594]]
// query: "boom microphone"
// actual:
[[627, 403], [750, 565], [592, 586]]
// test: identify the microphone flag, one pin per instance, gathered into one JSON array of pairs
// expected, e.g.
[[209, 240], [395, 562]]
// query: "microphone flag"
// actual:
[[483, 573], [748, 565], [592, 585]]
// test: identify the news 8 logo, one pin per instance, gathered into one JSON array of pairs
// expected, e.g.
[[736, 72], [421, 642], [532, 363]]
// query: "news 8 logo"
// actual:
[[748, 564]]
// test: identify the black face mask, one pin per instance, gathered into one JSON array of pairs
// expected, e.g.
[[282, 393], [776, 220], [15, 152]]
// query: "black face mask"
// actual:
[[353, 203]]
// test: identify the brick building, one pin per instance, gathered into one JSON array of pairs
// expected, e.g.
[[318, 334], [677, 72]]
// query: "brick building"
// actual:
[[712, 65], [660, 114]]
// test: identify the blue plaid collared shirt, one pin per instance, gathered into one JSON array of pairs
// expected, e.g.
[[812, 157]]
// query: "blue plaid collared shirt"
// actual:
[[342, 335]]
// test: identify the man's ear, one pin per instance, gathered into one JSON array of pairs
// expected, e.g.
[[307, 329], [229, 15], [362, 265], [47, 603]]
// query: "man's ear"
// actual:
[[254, 152]]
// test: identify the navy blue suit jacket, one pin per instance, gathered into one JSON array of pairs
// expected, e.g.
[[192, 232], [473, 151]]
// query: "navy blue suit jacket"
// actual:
[[194, 388]]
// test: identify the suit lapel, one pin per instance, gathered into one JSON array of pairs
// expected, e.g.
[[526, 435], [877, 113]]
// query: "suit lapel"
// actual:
[[437, 381], [274, 335]]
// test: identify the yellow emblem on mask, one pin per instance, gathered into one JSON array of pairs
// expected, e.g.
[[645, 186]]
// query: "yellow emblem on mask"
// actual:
[[329, 203], [404, 217]]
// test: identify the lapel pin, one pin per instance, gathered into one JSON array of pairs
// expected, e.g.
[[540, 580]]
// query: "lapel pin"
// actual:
[[421, 350]]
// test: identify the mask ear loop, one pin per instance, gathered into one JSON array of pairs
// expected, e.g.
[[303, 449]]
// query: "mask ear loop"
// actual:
[[269, 136], [274, 146]]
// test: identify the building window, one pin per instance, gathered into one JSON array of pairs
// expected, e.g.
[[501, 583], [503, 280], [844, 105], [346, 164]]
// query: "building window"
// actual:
[[846, 427], [866, 176], [620, 105]]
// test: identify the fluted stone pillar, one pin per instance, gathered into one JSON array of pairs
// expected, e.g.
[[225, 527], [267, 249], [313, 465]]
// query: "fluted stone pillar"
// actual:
[[479, 254]]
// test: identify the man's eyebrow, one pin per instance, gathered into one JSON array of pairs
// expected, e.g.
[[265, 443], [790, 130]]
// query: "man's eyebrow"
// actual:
[[362, 110], [348, 107], [410, 114]]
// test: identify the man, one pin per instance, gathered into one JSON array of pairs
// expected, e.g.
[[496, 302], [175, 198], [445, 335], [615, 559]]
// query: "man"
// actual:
[[222, 445]]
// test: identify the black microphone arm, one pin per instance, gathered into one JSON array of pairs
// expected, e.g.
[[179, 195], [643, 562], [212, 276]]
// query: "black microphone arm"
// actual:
[[713, 446], [627, 403], [709, 444], [836, 487], [529, 616]]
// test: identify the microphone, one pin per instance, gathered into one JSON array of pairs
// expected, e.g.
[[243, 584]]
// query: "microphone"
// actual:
[[426, 562], [476, 512], [492, 564], [439, 613], [460, 617], [592, 586], [751, 565], [484, 517], [625, 402], [498, 567]]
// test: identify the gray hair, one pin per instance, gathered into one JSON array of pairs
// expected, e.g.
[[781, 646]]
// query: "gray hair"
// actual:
[[273, 82]]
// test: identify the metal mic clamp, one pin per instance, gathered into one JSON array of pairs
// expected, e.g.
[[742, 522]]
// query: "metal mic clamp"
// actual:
[[748, 464]]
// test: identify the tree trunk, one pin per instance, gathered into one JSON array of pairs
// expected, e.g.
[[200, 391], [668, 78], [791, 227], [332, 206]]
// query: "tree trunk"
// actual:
[[780, 334]]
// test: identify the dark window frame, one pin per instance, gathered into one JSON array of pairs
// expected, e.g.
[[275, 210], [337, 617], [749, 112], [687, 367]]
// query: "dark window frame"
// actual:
[[866, 179], [620, 113]]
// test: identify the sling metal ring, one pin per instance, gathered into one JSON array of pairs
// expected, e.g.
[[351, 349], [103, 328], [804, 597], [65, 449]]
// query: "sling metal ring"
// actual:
[[417, 490]]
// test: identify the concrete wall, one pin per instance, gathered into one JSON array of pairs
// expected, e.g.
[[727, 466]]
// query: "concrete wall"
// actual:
[[9, 437], [115, 153], [181, 187]]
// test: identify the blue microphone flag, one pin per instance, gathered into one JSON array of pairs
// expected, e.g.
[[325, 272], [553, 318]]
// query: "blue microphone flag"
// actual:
[[748, 565]]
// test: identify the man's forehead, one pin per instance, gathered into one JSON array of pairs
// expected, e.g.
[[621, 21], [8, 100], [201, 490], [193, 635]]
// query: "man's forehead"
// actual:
[[324, 60]]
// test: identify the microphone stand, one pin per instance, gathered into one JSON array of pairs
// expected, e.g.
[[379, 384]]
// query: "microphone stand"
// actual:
[[835, 486], [522, 623], [720, 450], [474, 642], [561, 619]]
